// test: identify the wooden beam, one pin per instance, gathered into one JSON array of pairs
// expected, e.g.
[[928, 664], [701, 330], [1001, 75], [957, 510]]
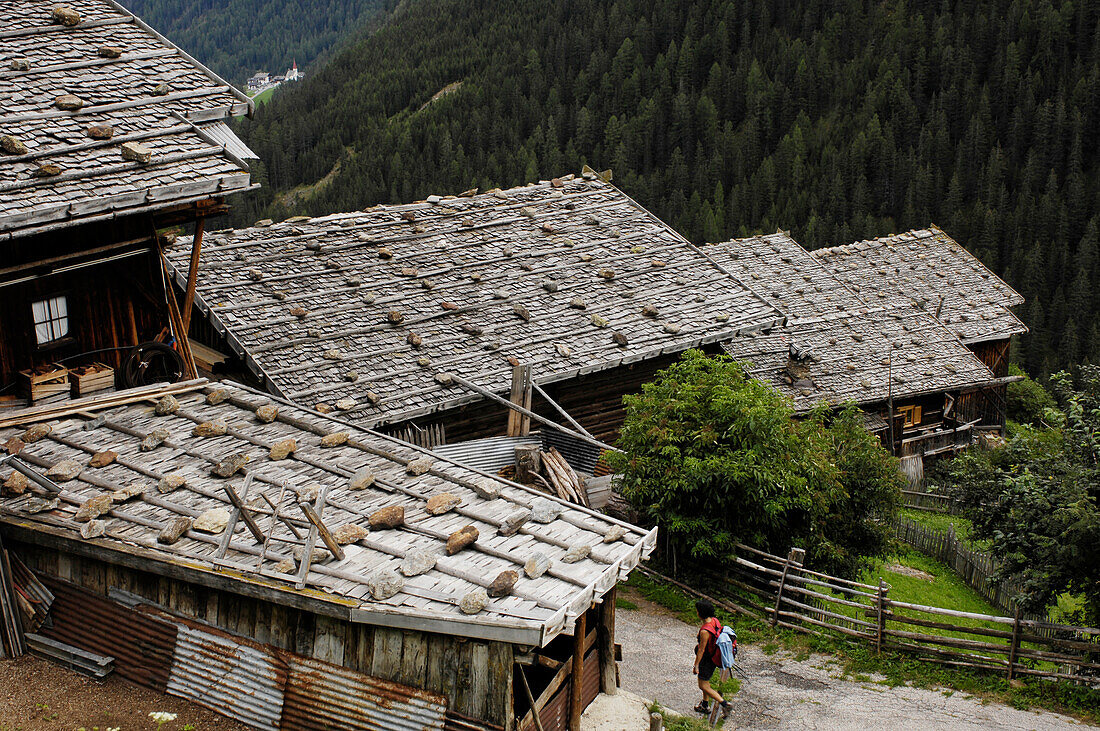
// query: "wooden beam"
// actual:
[[576, 708], [192, 277], [326, 536], [572, 422], [175, 318], [530, 699], [542, 420], [608, 676], [519, 424], [242, 509]]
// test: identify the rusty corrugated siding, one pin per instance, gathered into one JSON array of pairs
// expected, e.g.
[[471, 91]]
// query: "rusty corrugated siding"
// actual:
[[237, 680], [142, 646], [456, 721], [320, 695]]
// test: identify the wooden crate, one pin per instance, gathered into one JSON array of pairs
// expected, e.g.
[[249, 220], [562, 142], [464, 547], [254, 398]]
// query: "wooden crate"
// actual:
[[94, 377], [42, 381]]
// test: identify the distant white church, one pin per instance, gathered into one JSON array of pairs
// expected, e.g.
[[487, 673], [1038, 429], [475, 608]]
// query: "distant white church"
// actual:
[[262, 80]]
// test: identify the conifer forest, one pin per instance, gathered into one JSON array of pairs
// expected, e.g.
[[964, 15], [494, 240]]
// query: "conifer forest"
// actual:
[[835, 121]]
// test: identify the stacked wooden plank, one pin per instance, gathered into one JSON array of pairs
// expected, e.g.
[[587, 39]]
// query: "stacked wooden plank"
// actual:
[[31, 595], [12, 642], [561, 479]]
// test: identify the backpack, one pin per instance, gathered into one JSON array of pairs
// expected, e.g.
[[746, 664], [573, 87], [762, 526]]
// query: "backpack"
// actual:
[[713, 628], [727, 647]]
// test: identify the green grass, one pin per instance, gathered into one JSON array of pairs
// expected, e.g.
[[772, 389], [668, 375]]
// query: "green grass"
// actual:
[[264, 96], [621, 603], [964, 529]]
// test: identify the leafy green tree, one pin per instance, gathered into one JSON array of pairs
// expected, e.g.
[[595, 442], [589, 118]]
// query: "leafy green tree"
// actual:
[[1035, 498], [1028, 402], [716, 457]]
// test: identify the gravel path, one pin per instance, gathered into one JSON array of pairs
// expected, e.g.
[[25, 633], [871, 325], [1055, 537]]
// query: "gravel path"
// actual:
[[781, 692]]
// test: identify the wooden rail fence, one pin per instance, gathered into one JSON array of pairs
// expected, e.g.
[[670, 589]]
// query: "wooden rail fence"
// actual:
[[932, 502], [976, 568], [785, 593]]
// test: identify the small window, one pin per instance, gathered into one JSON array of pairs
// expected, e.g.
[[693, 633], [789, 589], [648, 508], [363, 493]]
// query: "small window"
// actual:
[[912, 415], [51, 320]]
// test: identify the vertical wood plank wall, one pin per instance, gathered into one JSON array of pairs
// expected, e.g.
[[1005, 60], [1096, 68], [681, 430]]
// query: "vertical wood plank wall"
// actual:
[[475, 676]]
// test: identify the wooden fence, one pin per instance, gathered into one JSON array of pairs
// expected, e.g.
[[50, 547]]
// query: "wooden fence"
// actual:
[[786, 594], [933, 502], [976, 568]]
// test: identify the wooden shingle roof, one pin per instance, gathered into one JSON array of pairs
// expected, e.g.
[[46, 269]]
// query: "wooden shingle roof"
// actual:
[[371, 311], [374, 583], [930, 270], [106, 69], [837, 346]]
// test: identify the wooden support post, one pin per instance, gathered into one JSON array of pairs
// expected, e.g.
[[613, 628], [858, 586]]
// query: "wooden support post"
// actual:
[[192, 277], [519, 424], [609, 683], [528, 462], [880, 626], [575, 682], [330, 542], [283, 518], [656, 721], [1015, 644], [794, 556]]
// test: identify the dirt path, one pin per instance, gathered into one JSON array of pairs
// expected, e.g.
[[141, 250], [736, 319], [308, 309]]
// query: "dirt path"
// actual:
[[782, 692], [36, 695]]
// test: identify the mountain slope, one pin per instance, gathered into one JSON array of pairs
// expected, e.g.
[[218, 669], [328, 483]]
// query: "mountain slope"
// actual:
[[236, 38], [837, 122]]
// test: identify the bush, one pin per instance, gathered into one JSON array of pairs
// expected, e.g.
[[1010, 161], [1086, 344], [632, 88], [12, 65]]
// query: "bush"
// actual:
[[1028, 401], [715, 458]]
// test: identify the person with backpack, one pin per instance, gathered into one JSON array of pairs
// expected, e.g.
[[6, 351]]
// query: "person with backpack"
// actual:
[[708, 658]]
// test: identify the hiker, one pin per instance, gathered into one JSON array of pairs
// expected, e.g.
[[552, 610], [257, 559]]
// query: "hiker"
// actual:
[[708, 658]]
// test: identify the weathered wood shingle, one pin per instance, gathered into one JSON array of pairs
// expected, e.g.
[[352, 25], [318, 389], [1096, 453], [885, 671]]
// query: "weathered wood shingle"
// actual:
[[569, 276], [840, 342], [533, 613], [931, 271], [126, 77]]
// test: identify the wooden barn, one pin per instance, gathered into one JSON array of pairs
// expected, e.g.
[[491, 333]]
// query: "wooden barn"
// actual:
[[847, 340], [404, 317], [108, 133], [932, 272], [295, 571]]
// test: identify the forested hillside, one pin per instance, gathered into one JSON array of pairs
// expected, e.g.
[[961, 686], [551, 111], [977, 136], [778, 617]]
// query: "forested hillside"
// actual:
[[836, 121], [236, 38]]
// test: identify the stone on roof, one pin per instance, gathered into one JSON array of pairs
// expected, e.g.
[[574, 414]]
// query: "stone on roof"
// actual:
[[64, 85], [840, 342], [168, 505], [559, 277], [929, 269]]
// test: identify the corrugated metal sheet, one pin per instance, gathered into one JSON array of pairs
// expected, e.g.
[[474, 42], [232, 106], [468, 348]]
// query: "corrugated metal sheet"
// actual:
[[236, 680], [224, 136], [458, 722], [320, 695], [580, 455], [490, 455], [142, 646]]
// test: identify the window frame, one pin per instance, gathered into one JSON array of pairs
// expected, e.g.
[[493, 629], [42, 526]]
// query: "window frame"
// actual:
[[66, 339]]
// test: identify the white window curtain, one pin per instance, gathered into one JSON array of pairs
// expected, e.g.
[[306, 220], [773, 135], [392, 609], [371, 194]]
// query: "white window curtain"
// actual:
[[51, 319]]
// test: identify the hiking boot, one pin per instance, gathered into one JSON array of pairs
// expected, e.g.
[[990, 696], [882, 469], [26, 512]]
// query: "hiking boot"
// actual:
[[727, 709], [703, 707]]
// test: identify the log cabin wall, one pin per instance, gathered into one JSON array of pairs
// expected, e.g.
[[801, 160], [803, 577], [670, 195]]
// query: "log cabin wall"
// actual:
[[111, 305], [475, 676], [594, 400], [995, 355]]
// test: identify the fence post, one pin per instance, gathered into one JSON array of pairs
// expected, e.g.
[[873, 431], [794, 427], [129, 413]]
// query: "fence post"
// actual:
[[881, 624], [1015, 643], [794, 556]]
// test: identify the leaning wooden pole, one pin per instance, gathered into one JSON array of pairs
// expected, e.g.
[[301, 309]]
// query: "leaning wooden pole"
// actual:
[[192, 276]]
